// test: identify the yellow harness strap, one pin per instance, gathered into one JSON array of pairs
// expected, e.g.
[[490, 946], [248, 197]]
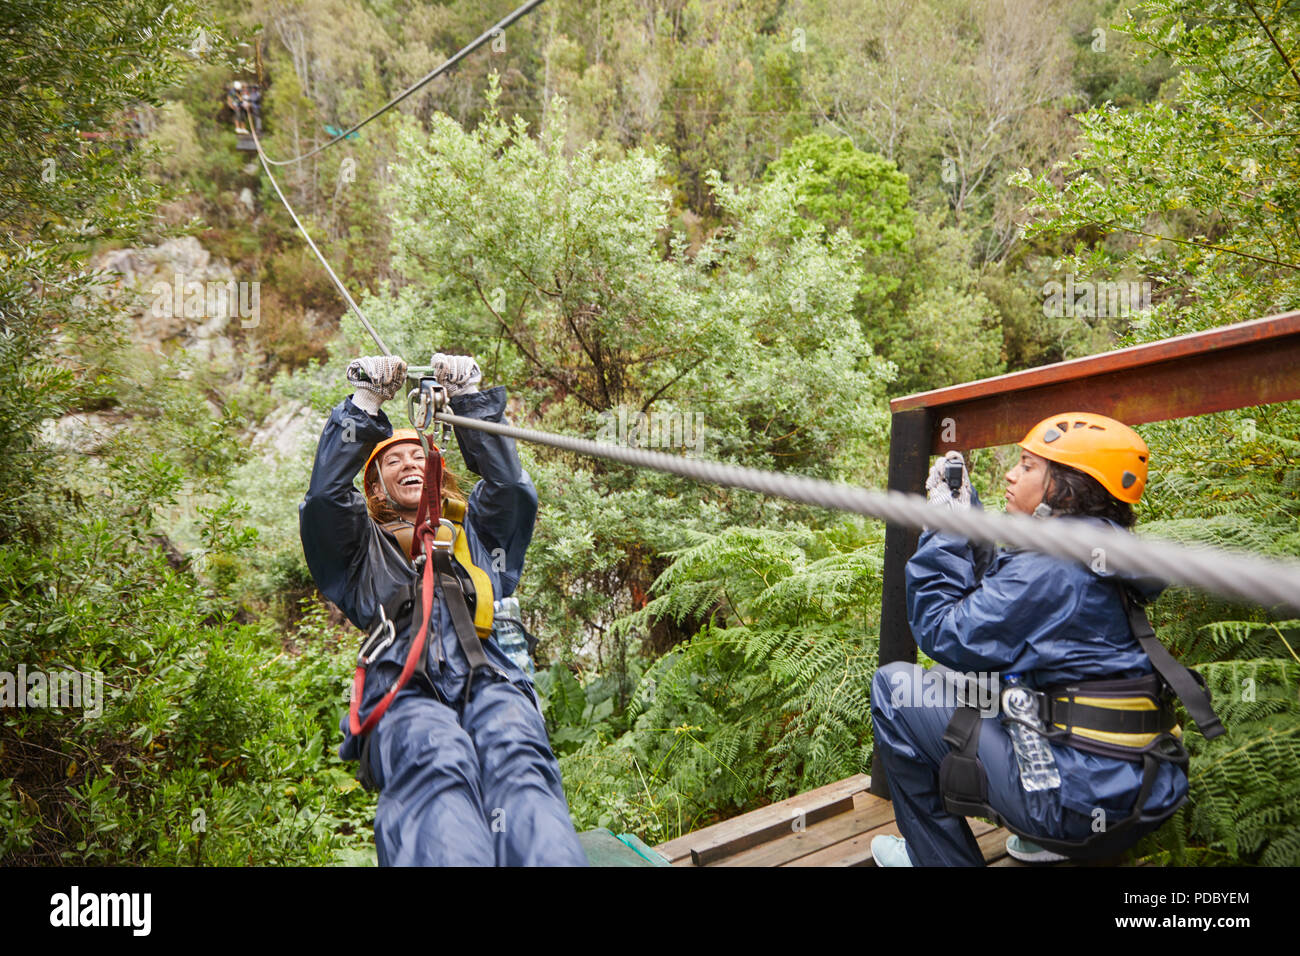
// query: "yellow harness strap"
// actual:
[[1132, 741], [454, 511]]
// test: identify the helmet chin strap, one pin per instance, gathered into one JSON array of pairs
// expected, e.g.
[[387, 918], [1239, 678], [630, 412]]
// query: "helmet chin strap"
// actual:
[[383, 486]]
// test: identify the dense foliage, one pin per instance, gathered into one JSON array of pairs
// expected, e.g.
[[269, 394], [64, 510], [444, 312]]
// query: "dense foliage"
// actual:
[[205, 742], [719, 230]]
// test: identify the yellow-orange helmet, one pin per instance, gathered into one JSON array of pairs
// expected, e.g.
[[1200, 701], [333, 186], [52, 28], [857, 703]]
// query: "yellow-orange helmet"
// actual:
[[1098, 446], [399, 435]]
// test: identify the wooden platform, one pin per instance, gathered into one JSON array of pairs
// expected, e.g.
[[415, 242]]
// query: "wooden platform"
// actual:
[[830, 826]]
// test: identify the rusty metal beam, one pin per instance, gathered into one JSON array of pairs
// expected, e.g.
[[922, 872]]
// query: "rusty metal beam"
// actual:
[[1238, 366]]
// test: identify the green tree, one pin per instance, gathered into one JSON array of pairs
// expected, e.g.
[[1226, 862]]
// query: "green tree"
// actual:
[[551, 268], [71, 70], [1196, 192], [917, 299], [203, 742]]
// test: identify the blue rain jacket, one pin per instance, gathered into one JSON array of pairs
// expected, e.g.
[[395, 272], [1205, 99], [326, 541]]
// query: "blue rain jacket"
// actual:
[[359, 566], [463, 779], [972, 608]]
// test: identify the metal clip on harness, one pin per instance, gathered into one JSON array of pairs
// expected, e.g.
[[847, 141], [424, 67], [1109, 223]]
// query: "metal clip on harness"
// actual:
[[373, 645]]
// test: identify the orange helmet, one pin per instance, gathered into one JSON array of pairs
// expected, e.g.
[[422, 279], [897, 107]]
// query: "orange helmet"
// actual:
[[399, 435], [1098, 446]]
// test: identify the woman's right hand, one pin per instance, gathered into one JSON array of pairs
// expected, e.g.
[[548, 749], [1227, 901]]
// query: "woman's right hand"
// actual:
[[377, 379], [937, 489]]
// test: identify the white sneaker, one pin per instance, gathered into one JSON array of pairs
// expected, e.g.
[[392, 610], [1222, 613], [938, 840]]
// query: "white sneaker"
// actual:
[[890, 850], [1028, 852]]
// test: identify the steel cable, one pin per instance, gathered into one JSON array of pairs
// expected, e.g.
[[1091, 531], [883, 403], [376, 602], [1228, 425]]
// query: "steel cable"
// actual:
[[492, 31], [1264, 581], [338, 284]]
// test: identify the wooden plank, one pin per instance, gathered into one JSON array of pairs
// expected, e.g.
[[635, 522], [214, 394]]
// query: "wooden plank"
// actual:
[[1254, 363], [993, 845], [680, 848], [872, 813], [856, 851], [773, 831]]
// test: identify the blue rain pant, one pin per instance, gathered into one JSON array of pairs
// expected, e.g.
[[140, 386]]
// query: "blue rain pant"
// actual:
[[910, 746], [481, 789]]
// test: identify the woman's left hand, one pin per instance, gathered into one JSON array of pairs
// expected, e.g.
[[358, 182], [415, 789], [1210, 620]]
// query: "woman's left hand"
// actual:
[[459, 374]]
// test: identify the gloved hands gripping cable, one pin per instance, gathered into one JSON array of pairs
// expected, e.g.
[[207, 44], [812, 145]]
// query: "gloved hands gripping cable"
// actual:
[[377, 379], [459, 374]]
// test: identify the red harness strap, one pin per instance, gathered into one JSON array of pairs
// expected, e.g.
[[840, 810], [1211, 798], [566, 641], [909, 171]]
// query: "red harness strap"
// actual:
[[427, 521]]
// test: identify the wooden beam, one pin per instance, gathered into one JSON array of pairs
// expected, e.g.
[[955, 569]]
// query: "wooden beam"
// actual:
[[772, 832], [1238, 366]]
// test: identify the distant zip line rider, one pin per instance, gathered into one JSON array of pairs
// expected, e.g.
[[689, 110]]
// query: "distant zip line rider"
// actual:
[[235, 99], [459, 754], [1084, 755]]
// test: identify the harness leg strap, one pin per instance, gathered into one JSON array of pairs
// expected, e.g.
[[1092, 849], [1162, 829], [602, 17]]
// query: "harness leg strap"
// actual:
[[964, 786], [469, 640], [962, 779]]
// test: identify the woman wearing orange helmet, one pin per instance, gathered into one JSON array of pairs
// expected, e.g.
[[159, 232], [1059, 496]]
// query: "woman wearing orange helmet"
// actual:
[[1083, 753], [459, 752]]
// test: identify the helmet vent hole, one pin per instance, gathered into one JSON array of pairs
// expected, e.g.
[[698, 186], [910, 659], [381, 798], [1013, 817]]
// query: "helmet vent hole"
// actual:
[[1128, 479], [1097, 428], [1051, 435], [1063, 426], [1080, 424], [1142, 458]]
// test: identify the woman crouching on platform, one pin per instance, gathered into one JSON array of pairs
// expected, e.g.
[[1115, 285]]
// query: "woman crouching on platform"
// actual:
[[459, 754], [1086, 757]]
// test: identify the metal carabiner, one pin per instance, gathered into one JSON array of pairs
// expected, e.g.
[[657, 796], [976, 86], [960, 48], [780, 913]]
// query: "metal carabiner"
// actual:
[[370, 649], [447, 545], [419, 409], [423, 402], [450, 543]]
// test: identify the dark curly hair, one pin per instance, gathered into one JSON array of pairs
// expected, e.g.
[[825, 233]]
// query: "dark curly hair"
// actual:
[[1071, 492]]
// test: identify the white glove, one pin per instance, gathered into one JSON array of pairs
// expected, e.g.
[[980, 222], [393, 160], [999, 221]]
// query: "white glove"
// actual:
[[936, 486], [459, 374], [377, 379]]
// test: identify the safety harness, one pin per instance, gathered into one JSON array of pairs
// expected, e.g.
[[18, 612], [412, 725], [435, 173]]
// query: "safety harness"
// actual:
[[1131, 719], [474, 579], [437, 544]]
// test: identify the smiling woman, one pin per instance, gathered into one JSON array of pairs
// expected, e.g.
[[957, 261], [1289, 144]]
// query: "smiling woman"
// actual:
[[453, 738]]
